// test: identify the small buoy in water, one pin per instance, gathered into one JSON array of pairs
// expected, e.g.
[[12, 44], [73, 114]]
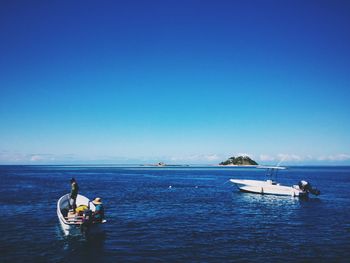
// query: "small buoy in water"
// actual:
[[196, 186], [170, 186]]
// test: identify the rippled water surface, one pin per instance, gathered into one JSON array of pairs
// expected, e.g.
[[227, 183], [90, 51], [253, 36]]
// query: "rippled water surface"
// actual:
[[200, 218]]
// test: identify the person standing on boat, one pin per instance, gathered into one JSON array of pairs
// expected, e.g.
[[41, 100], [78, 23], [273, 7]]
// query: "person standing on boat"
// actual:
[[73, 194], [99, 213]]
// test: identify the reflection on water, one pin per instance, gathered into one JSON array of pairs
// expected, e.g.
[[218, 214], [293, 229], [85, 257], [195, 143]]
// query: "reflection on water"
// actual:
[[76, 247], [268, 199]]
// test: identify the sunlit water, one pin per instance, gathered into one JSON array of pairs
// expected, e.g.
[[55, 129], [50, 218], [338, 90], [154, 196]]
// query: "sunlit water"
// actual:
[[200, 218]]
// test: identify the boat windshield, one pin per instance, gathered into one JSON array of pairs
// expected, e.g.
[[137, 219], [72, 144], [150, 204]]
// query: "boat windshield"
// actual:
[[271, 172]]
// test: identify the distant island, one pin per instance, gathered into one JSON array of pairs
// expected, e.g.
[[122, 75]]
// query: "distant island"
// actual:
[[162, 164], [240, 160], [159, 164]]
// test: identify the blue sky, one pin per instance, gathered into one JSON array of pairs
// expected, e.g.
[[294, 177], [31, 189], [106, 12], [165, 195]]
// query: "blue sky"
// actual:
[[175, 81]]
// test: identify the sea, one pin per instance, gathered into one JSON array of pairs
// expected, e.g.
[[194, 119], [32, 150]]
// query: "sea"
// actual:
[[175, 214]]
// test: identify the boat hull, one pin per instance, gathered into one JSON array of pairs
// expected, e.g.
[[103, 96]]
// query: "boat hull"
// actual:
[[267, 187], [73, 228]]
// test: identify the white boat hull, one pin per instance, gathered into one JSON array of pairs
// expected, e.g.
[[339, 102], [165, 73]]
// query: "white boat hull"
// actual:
[[72, 227], [267, 187]]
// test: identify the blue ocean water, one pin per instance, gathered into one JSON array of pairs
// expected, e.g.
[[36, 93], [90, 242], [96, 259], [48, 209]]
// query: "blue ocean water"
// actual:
[[200, 218]]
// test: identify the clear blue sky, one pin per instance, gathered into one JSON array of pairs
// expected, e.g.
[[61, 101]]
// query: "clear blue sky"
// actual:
[[175, 81]]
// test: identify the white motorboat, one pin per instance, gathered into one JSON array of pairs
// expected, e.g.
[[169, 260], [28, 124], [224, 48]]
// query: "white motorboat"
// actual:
[[271, 187], [71, 222]]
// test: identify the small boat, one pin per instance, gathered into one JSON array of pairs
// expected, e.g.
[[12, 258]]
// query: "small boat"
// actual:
[[271, 187], [71, 221]]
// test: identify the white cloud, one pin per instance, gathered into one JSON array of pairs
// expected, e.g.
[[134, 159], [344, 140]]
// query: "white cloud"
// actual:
[[246, 155], [336, 157], [8, 157], [196, 158], [212, 157], [280, 158], [36, 158], [295, 158], [266, 158], [283, 157], [12, 157], [309, 157]]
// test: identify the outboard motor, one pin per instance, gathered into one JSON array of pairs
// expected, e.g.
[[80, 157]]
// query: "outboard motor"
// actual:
[[306, 187]]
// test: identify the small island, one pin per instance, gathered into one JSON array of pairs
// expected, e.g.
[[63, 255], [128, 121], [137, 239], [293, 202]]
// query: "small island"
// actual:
[[240, 160], [162, 164]]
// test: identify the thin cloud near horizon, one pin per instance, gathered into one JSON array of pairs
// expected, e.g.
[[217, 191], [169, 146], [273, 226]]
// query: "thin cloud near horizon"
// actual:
[[37, 158]]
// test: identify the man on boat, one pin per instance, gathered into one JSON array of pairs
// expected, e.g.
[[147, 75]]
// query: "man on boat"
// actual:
[[99, 213], [73, 194]]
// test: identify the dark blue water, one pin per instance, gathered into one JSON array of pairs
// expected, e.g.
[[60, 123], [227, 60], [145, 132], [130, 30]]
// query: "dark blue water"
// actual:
[[202, 218]]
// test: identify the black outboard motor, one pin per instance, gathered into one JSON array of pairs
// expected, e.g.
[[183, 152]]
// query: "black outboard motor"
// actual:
[[306, 187]]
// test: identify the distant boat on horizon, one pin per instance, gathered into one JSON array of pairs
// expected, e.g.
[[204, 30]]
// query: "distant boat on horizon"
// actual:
[[162, 164]]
